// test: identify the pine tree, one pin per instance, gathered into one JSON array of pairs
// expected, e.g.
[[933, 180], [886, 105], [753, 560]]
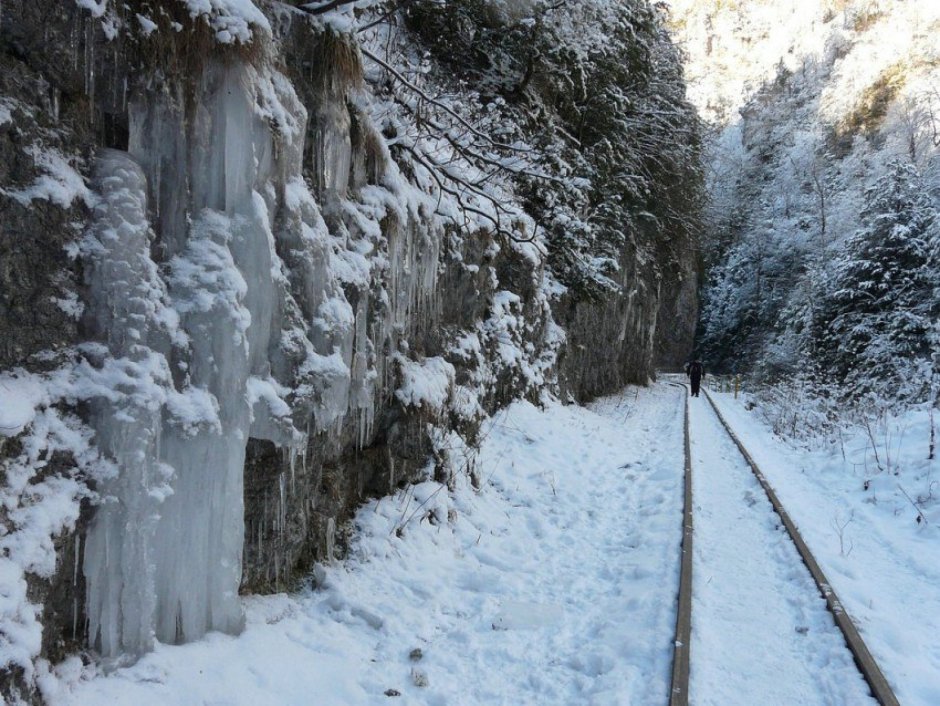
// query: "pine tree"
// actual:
[[874, 328]]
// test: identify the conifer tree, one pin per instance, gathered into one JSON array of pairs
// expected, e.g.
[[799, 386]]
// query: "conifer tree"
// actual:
[[874, 327]]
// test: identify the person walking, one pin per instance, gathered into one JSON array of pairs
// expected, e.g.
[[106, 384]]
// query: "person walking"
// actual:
[[696, 373]]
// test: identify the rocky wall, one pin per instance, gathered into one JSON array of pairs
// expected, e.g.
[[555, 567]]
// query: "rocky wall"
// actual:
[[220, 279]]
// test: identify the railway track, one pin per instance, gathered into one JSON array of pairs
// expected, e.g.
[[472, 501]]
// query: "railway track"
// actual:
[[682, 658]]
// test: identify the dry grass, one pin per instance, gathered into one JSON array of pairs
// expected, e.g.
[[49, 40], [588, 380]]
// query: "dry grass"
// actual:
[[181, 44], [335, 61], [368, 143], [866, 19]]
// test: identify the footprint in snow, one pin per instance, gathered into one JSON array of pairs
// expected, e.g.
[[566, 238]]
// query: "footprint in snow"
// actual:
[[517, 615]]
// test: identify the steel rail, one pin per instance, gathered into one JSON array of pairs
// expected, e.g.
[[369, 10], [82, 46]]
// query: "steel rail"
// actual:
[[679, 688], [866, 664]]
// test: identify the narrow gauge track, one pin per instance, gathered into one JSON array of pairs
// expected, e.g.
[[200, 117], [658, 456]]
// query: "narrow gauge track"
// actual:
[[679, 694], [679, 691]]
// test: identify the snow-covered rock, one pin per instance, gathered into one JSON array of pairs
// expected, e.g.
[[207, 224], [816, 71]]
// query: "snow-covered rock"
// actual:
[[238, 308]]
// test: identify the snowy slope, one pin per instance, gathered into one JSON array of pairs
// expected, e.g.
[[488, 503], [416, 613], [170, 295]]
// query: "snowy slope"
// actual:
[[812, 104], [554, 582]]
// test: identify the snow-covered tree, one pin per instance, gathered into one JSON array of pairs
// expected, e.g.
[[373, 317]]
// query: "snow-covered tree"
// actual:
[[873, 328], [597, 87]]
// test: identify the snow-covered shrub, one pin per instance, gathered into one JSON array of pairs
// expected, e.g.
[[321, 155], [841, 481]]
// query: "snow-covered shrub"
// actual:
[[803, 409]]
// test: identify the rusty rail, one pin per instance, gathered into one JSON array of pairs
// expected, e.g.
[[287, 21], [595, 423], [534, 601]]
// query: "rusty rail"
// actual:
[[879, 686], [679, 689]]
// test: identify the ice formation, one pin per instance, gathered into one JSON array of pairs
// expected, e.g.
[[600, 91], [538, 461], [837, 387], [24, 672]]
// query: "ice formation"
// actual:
[[176, 575], [257, 308], [232, 341], [258, 275], [122, 285]]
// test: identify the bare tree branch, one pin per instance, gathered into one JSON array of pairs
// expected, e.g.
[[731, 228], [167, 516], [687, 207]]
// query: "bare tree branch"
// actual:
[[385, 16], [443, 106], [325, 7], [435, 171]]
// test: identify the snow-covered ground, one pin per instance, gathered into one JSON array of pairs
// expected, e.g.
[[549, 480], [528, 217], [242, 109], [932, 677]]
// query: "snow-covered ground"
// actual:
[[761, 633], [554, 584], [882, 562]]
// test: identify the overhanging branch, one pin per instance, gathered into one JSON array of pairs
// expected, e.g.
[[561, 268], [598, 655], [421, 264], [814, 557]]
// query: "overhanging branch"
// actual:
[[440, 104]]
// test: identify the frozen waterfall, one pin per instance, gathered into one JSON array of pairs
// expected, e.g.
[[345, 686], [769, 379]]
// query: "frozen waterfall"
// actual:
[[125, 294], [163, 557], [224, 339]]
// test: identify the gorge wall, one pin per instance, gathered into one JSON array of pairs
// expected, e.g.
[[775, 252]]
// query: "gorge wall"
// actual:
[[242, 290]]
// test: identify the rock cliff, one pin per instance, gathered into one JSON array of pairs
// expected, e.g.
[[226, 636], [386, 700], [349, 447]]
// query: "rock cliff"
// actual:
[[234, 305]]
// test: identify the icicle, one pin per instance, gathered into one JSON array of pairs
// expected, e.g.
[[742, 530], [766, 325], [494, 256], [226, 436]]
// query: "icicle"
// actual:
[[293, 464], [330, 539], [90, 67], [78, 552], [73, 44], [282, 505]]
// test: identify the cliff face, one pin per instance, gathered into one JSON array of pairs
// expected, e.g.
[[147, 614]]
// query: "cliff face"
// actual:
[[231, 313]]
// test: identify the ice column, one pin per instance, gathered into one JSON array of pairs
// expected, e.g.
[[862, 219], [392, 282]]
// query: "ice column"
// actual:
[[125, 309], [164, 554], [222, 283]]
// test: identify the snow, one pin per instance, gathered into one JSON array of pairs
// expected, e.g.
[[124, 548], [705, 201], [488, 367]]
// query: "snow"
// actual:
[[96, 7], [426, 384], [539, 587], [22, 394], [880, 560], [147, 26], [733, 48], [35, 508], [761, 632], [548, 575], [61, 183], [233, 20], [71, 305], [898, 34], [270, 413]]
